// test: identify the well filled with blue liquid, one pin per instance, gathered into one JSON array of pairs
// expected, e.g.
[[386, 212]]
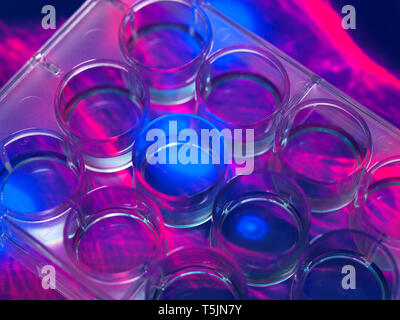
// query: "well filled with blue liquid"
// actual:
[[175, 178], [261, 223], [323, 279], [37, 181]]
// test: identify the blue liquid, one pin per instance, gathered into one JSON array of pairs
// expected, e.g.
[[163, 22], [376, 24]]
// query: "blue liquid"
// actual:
[[37, 182], [197, 285], [323, 280], [183, 180], [261, 224]]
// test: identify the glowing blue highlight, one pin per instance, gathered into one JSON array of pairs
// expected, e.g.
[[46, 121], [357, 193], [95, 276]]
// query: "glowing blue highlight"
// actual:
[[252, 227]]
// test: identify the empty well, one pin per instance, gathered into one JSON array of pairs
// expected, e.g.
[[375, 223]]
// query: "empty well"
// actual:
[[196, 273], [102, 105], [114, 233], [166, 40], [325, 147]]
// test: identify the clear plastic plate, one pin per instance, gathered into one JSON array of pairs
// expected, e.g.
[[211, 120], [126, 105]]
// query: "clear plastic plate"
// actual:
[[27, 101]]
